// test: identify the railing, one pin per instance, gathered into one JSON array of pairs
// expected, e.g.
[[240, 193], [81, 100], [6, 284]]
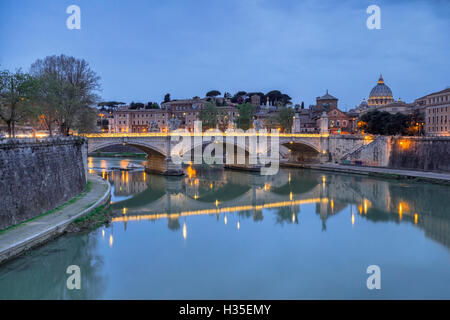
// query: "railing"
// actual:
[[203, 134]]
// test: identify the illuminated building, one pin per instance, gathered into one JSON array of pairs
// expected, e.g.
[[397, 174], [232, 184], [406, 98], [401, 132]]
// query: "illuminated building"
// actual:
[[380, 95], [437, 113]]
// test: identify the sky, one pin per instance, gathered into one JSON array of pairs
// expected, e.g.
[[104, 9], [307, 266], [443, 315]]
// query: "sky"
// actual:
[[143, 49]]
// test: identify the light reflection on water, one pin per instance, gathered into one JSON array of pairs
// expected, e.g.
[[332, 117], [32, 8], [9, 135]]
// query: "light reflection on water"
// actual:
[[229, 234]]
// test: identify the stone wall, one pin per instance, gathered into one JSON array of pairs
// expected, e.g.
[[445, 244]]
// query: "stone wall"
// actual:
[[416, 153], [341, 145], [39, 175], [423, 153], [375, 154]]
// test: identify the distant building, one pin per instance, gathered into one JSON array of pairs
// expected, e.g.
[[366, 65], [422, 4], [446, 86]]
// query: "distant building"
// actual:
[[380, 95], [381, 99], [128, 120], [304, 123], [255, 100], [186, 111], [437, 112], [396, 107], [339, 122], [324, 103]]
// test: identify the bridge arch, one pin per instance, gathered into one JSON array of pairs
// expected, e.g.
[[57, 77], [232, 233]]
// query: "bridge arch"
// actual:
[[204, 144], [146, 147], [301, 151]]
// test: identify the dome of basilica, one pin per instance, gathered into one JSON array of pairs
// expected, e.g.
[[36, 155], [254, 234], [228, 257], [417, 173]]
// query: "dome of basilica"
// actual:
[[381, 94]]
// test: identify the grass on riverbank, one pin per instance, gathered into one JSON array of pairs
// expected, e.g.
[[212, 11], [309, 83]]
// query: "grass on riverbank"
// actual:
[[94, 219], [54, 210]]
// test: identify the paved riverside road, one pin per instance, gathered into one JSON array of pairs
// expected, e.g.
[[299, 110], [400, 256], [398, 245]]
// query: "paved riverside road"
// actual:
[[443, 177], [23, 237]]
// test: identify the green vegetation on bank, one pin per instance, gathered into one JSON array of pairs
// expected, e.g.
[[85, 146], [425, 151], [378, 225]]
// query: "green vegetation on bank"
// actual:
[[94, 219]]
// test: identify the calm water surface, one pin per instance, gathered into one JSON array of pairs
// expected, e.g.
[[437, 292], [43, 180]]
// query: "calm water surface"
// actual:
[[217, 234]]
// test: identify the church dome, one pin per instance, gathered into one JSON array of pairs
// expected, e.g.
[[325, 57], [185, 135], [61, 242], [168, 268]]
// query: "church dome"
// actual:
[[381, 94], [363, 103]]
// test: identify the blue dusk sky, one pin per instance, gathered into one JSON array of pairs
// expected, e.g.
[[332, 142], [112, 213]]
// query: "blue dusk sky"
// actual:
[[145, 49]]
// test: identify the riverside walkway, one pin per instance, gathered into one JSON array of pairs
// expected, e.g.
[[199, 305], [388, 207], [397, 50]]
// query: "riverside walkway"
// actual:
[[377, 171], [18, 239]]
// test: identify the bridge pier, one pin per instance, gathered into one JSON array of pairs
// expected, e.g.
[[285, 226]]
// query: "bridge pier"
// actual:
[[162, 165], [251, 164]]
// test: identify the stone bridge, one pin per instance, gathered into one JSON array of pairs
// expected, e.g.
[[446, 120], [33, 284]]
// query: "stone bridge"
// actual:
[[166, 151]]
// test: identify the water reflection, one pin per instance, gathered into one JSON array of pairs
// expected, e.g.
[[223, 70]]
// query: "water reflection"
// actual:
[[41, 274], [138, 196], [216, 234]]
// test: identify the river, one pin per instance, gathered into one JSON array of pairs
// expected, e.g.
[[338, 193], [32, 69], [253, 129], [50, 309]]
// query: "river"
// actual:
[[221, 234]]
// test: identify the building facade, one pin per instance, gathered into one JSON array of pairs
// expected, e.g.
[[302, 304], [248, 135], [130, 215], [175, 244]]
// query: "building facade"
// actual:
[[339, 122], [141, 120], [324, 103], [437, 113], [128, 120]]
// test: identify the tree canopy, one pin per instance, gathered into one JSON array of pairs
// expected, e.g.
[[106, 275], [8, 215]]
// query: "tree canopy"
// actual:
[[286, 119], [71, 86], [208, 116], [246, 112], [17, 91], [385, 123], [167, 97], [213, 93]]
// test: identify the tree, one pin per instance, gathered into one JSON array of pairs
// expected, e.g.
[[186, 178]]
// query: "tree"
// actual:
[[167, 97], [278, 98], [274, 96], [262, 96], [85, 122], [272, 122], [76, 87], [417, 121], [47, 101], [112, 105], [16, 91], [246, 112], [227, 95], [152, 105], [285, 99], [213, 93], [208, 116], [286, 119], [239, 97], [385, 123], [136, 105]]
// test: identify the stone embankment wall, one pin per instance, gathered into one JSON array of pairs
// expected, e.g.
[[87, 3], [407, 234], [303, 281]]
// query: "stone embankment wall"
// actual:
[[423, 153], [376, 153], [415, 153], [341, 145], [39, 175]]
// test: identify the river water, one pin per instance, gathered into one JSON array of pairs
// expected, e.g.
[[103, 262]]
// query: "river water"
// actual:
[[219, 234]]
